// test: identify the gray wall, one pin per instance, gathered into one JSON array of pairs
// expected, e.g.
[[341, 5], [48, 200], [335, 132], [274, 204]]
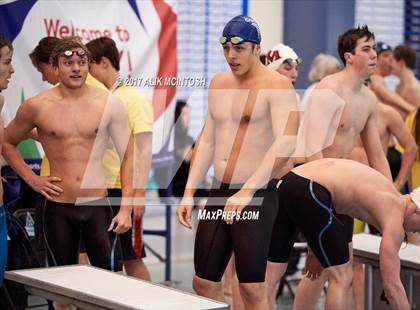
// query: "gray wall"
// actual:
[[313, 26]]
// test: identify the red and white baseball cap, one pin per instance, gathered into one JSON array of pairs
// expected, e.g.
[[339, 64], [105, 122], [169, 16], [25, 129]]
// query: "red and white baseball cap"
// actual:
[[279, 54]]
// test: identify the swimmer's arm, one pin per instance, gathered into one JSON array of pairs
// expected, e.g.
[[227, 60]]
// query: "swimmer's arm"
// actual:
[[124, 143], [398, 128], [143, 160], [390, 97], [285, 122], [410, 181], [127, 173], [202, 157], [389, 263], [17, 131], [372, 143], [122, 139]]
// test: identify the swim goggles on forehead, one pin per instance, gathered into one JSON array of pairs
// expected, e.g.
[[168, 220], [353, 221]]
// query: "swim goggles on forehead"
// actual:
[[291, 61], [234, 40], [70, 53]]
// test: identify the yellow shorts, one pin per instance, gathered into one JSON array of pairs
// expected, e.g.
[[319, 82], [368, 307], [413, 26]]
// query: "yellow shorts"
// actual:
[[358, 226]]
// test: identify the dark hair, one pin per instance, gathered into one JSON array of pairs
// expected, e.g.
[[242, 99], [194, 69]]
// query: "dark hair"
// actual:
[[405, 239], [4, 42], [42, 52], [348, 40], [68, 44], [262, 58], [182, 139], [406, 53], [104, 47], [180, 104]]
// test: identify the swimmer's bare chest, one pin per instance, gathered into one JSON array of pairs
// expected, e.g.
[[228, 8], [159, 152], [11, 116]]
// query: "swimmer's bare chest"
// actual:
[[62, 122], [355, 114], [240, 105], [242, 123], [352, 122], [240, 110], [243, 132]]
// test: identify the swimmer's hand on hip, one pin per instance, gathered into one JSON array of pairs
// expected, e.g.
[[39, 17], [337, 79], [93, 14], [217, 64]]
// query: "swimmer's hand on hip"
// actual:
[[45, 186]]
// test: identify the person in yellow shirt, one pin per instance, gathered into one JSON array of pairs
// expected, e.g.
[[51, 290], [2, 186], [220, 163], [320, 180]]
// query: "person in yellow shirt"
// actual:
[[105, 68]]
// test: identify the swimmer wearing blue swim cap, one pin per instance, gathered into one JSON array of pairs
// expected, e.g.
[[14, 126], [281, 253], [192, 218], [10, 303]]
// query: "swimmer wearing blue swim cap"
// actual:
[[241, 40], [249, 110], [241, 29]]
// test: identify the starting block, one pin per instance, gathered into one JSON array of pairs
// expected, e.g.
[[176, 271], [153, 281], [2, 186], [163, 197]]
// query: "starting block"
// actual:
[[88, 287]]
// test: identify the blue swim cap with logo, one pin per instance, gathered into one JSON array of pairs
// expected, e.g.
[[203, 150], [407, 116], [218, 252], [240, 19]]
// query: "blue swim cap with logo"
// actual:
[[243, 27], [382, 47]]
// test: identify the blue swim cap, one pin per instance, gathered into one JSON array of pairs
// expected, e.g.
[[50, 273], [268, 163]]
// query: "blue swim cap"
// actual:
[[244, 27], [382, 47]]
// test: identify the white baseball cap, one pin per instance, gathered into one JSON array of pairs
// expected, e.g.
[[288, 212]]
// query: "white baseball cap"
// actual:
[[279, 54]]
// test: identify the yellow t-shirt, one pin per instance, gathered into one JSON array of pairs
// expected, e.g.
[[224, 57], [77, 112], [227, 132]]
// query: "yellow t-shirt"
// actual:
[[139, 111], [90, 80]]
